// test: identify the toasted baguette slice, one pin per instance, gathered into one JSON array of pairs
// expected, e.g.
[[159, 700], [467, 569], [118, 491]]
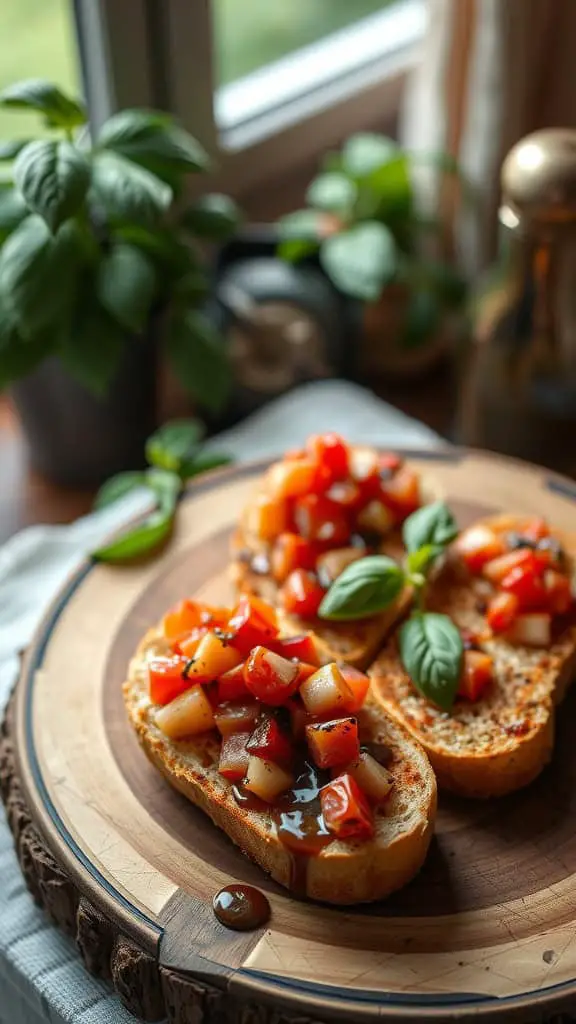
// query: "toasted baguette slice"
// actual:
[[343, 872], [502, 741]]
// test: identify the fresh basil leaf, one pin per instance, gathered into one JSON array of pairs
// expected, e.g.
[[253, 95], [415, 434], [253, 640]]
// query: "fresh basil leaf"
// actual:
[[365, 152], [213, 216], [118, 487], [11, 147], [154, 528], [391, 188], [53, 177], [128, 192], [155, 141], [419, 561], [199, 358], [360, 261], [165, 485], [364, 588], [204, 464], [431, 524], [175, 444], [13, 210], [333, 192], [431, 650], [300, 234], [92, 345], [126, 285], [37, 94]]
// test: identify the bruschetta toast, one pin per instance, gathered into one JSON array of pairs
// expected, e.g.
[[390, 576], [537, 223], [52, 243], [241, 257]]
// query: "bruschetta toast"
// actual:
[[315, 512], [507, 586], [318, 786]]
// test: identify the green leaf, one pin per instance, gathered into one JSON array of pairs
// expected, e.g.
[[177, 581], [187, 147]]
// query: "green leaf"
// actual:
[[300, 234], [431, 650], [53, 177], [175, 444], [418, 562], [92, 346], [332, 191], [204, 464], [213, 216], [154, 141], [431, 524], [11, 148], [200, 360], [160, 244], [154, 528], [126, 285], [118, 487], [422, 319], [365, 152], [13, 209], [360, 261], [38, 274], [128, 192], [391, 189], [36, 94], [364, 588]]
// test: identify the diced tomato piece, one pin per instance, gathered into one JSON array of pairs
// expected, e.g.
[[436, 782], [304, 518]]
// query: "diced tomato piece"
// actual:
[[331, 564], [345, 493], [327, 692], [213, 616], [292, 478], [365, 472], [165, 678], [189, 643], [231, 685], [526, 583], [181, 619], [402, 492], [333, 743], [479, 545], [345, 809], [305, 671], [376, 517], [558, 592], [270, 677], [252, 623], [478, 673], [270, 742], [331, 453], [298, 719], [359, 684], [497, 568], [233, 762], [237, 716], [501, 612], [536, 529], [319, 519], [302, 647], [291, 552], [267, 517], [301, 594]]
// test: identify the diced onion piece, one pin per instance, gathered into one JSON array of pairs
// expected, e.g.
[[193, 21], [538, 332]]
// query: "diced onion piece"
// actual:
[[237, 716], [292, 479], [531, 630], [375, 516], [266, 779], [373, 778], [234, 757], [188, 715], [214, 656], [332, 563], [267, 517], [326, 691]]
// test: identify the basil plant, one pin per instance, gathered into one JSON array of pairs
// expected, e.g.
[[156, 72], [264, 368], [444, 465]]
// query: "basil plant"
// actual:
[[96, 240]]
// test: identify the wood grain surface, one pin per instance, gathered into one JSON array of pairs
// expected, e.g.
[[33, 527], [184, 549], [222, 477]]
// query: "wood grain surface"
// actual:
[[486, 931]]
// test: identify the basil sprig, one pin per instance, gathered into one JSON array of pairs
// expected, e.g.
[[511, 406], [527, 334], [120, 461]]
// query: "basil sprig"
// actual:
[[175, 456], [431, 647]]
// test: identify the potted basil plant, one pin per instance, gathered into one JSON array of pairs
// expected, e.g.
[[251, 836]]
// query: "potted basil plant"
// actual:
[[100, 263], [363, 225]]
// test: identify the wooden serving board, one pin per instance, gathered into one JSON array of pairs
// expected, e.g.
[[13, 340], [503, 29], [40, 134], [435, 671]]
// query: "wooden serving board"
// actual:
[[487, 931]]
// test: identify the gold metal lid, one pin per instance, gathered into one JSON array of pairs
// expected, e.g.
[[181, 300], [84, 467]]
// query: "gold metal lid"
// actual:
[[539, 182]]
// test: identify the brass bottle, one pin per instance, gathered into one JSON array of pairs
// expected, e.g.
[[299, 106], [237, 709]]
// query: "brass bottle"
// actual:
[[518, 391]]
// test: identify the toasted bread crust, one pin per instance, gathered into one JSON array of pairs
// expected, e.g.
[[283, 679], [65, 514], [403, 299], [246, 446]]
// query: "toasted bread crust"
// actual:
[[343, 872], [501, 742]]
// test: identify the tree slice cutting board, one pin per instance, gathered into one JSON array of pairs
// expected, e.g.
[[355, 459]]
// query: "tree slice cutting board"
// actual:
[[487, 931]]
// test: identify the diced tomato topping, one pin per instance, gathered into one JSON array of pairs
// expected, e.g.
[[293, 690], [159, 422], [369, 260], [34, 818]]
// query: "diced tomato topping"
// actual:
[[301, 647], [301, 594], [214, 655], [331, 453], [479, 545], [497, 568], [252, 623], [166, 681], [292, 478], [359, 683], [501, 612], [231, 685], [270, 742], [234, 756], [526, 583], [558, 592], [291, 552], [319, 519], [270, 677], [333, 743], [267, 517], [345, 493], [305, 671], [189, 643], [298, 719], [402, 492], [536, 529], [237, 716], [477, 674], [365, 472], [345, 809], [181, 619]]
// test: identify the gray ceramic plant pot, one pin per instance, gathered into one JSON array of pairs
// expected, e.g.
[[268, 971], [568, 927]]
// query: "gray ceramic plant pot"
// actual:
[[77, 440]]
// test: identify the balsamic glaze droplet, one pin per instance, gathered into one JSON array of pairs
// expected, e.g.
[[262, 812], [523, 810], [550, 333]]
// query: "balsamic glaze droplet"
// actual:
[[241, 907]]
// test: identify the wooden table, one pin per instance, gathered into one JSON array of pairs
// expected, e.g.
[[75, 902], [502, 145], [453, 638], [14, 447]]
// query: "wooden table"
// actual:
[[27, 498]]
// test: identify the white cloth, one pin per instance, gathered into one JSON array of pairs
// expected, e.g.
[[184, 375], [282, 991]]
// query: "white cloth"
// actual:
[[41, 977]]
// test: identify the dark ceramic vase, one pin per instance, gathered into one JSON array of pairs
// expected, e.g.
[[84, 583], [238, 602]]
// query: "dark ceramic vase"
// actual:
[[77, 440]]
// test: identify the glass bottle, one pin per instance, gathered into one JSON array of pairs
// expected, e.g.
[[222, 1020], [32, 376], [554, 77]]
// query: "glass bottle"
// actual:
[[518, 391]]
